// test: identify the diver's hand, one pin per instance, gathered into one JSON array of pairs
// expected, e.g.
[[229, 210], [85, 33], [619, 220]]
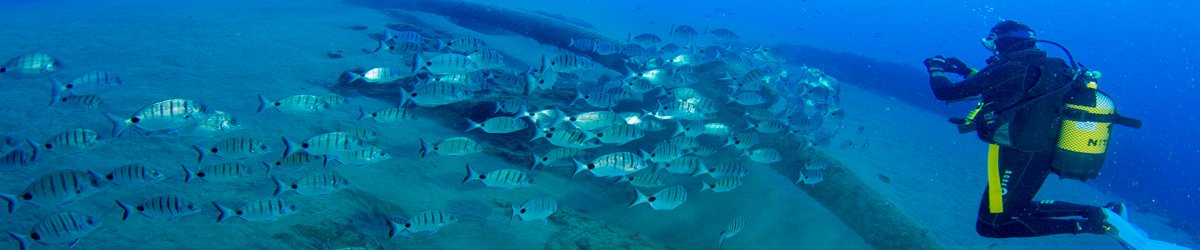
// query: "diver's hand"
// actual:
[[953, 65], [936, 64]]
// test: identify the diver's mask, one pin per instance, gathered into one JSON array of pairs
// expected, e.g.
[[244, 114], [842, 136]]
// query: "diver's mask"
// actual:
[[989, 42]]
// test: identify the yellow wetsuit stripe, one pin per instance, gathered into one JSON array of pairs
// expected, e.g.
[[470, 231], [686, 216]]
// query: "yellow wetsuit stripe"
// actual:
[[995, 195]]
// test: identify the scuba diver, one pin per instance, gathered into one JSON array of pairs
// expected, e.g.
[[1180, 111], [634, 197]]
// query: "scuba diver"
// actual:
[[1039, 115]]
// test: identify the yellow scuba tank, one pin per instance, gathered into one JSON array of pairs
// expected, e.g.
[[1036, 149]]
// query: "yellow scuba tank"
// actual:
[[1086, 126]]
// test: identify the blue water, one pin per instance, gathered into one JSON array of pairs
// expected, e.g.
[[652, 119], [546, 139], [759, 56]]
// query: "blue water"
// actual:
[[224, 55]]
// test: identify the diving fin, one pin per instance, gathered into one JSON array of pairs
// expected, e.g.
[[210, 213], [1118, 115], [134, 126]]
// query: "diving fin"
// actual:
[[1131, 236]]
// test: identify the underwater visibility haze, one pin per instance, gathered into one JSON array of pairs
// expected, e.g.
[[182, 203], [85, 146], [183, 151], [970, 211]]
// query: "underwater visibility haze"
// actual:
[[488, 124]]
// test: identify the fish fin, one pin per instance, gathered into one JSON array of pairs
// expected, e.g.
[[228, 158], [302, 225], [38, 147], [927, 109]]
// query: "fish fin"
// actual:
[[417, 65], [225, 212], [187, 176], [199, 153], [472, 125], [404, 96], [21, 239], [704, 186], [119, 124], [393, 229], [262, 103], [579, 167], [361, 114], [721, 241], [124, 216], [514, 214], [434, 231], [279, 185], [289, 147], [34, 150], [639, 198], [537, 160], [471, 175], [424, 147], [13, 203], [268, 167], [56, 90]]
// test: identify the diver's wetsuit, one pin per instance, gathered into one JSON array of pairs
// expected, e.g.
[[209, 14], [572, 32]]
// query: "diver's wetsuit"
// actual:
[[1032, 133]]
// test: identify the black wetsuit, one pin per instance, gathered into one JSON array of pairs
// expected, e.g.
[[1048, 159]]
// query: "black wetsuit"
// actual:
[[1009, 82]]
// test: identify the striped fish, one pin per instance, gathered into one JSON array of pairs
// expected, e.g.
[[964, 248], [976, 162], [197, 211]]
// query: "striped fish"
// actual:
[[487, 59], [296, 104], [428, 221], [747, 98], [65, 227], [57, 189], [19, 157], [665, 199], [88, 102], [363, 134], [406, 48], [433, 94], [731, 167], [596, 99], [614, 164], [605, 48], [644, 39], [380, 75], [764, 155], [692, 129], [556, 155], [512, 106], [543, 118], [706, 149], [684, 32], [268, 209], [454, 146], [725, 184], [298, 160], [135, 174], [665, 152], [810, 176], [445, 64], [582, 44], [640, 85], [466, 44], [595, 120], [620, 134], [331, 143], [734, 228], [651, 125], [220, 172], [334, 99], [167, 207], [571, 63], [743, 141], [535, 209], [236, 148], [313, 184], [363, 156], [473, 81], [498, 125], [646, 179], [35, 65], [632, 50], [767, 126], [541, 78], [387, 115], [92, 83], [164, 116], [568, 136], [73, 141], [683, 165], [684, 142], [502, 178]]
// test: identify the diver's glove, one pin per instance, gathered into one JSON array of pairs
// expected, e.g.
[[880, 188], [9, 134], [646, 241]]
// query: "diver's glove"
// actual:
[[936, 64], [953, 65]]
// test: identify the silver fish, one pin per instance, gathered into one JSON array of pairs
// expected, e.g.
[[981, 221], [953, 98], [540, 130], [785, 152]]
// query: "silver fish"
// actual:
[[31, 66], [498, 125], [730, 167], [747, 98], [428, 221], [487, 59], [598, 100], [20, 157], [558, 154], [363, 156], [716, 129], [595, 120], [268, 209], [582, 44], [684, 32], [743, 141], [57, 189], [541, 78], [88, 102], [764, 155], [512, 106], [387, 115], [605, 48], [645, 179], [445, 64], [73, 141], [665, 199], [810, 177], [91, 83], [324, 144], [464, 44], [683, 165], [380, 75], [167, 207], [220, 172], [565, 135], [534, 210], [732, 229], [502, 178], [167, 116], [723, 34], [454, 146], [298, 160], [725, 184], [134, 175], [313, 184], [571, 63], [364, 134], [296, 104], [684, 142], [665, 152], [644, 39], [620, 134], [433, 94], [65, 227], [217, 122], [236, 148], [614, 164], [692, 129]]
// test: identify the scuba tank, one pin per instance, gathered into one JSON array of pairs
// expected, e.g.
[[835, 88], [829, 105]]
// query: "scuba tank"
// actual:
[[1086, 123]]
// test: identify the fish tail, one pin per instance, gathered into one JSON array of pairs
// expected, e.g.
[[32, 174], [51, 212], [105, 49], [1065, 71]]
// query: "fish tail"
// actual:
[[187, 173], [225, 212], [417, 65], [394, 229], [21, 239], [262, 103], [361, 114], [119, 124], [404, 96], [537, 160], [125, 215], [579, 167], [704, 186], [471, 175], [13, 203], [33, 150], [639, 198], [56, 90], [289, 147], [515, 211], [472, 125], [199, 153], [424, 147], [279, 185], [721, 241]]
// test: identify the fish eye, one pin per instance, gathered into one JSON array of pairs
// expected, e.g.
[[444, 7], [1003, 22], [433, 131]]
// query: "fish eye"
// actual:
[[522, 210], [49, 146], [190, 206], [292, 207], [135, 119], [3, 69], [264, 147]]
